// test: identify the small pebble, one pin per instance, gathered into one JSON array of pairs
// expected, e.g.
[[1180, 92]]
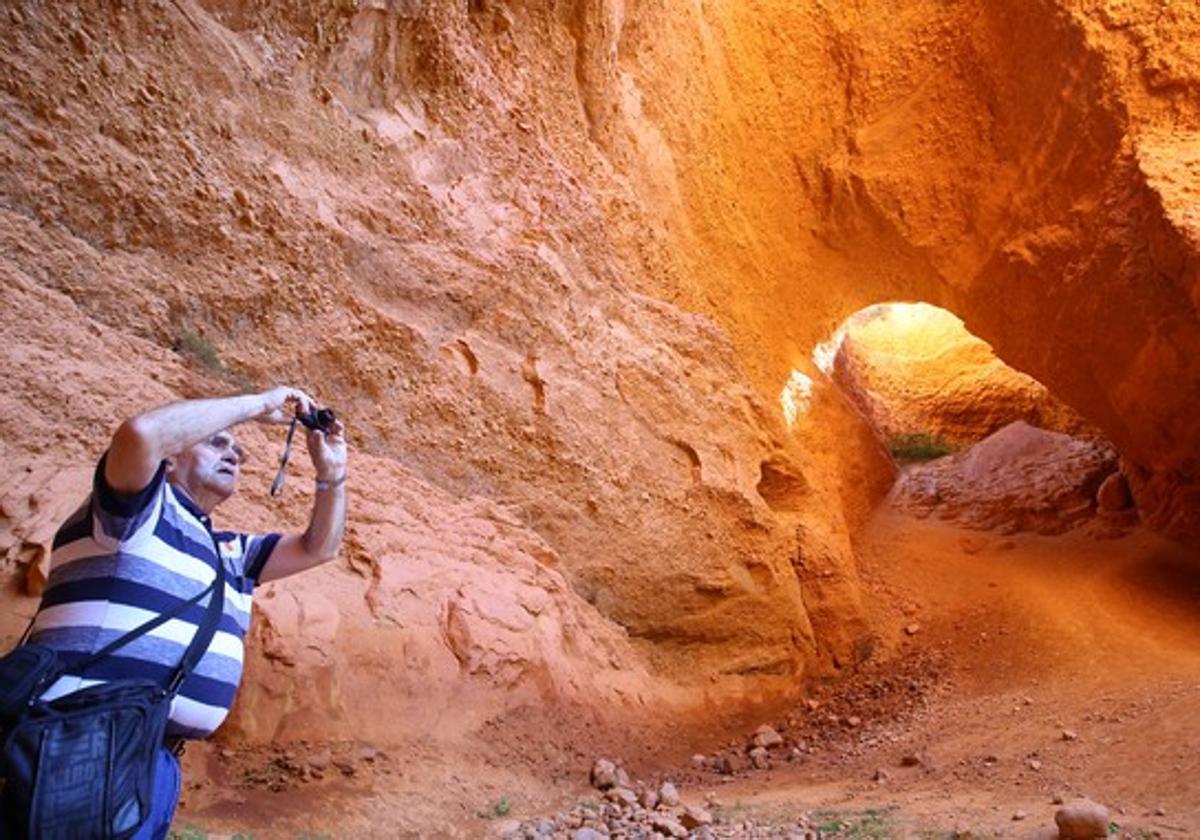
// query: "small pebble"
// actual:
[[1082, 819]]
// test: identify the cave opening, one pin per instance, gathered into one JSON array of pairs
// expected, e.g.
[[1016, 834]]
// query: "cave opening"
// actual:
[[975, 440]]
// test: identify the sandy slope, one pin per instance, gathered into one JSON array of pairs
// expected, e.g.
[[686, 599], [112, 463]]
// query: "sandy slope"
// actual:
[[1039, 636]]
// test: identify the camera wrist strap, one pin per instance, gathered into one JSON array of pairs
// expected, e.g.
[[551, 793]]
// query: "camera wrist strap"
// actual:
[[277, 484]]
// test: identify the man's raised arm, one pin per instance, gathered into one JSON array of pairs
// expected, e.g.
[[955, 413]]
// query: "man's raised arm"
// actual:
[[142, 442], [321, 540]]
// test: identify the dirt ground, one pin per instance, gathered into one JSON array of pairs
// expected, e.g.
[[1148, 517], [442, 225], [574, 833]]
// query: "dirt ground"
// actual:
[[1072, 670], [1011, 671]]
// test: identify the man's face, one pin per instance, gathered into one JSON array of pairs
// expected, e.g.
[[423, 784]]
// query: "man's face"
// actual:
[[208, 470]]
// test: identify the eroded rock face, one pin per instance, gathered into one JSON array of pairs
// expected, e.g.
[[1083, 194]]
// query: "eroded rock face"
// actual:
[[210, 198], [442, 614], [1047, 204], [42, 496], [1019, 479]]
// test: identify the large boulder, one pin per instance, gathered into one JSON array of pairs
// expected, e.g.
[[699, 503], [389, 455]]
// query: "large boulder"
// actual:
[[1019, 479]]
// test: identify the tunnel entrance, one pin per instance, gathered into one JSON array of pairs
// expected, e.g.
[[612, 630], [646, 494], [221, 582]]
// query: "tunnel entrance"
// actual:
[[977, 442]]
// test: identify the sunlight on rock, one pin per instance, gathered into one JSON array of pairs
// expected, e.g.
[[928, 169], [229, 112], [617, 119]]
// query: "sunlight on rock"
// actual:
[[796, 397], [913, 369], [909, 325], [825, 353]]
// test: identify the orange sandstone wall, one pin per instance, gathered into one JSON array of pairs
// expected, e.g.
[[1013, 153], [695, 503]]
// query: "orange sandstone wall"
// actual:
[[914, 369], [1031, 167], [554, 262], [556, 494]]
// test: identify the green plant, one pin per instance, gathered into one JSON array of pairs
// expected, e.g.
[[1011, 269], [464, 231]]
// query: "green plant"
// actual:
[[870, 824], [499, 808], [198, 347], [188, 831], [917, 446], [243, 382]]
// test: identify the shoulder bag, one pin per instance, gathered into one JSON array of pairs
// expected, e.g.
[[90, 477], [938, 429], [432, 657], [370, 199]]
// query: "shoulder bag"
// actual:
[[82, 765]]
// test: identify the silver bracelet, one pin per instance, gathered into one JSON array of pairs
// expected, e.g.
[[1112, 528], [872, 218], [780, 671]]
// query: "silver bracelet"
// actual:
[[329, 485]]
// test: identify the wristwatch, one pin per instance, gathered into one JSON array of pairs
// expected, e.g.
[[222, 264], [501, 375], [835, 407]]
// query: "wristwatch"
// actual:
[[329, 485]]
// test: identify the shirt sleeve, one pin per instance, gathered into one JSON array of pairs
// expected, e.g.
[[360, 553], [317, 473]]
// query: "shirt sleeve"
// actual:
[[258, 552], [121, 515]]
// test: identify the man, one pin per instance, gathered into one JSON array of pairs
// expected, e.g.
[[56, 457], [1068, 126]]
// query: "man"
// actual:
[[144, 543]]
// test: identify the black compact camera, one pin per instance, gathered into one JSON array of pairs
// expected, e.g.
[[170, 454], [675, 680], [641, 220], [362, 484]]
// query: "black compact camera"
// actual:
[[319, 418]]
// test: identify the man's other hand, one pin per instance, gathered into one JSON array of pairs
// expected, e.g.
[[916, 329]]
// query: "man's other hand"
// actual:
[[328, 452]]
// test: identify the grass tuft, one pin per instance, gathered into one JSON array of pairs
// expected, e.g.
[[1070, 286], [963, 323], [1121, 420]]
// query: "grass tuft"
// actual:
[[499, 808], [871, 824], [917, 446], [192, 345], [196, 346]]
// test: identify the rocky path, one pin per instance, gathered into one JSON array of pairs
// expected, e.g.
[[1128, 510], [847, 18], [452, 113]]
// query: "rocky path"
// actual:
[[1031, 687]]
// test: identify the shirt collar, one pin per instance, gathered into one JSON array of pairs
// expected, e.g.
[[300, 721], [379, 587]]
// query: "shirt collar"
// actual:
[[191, 507]]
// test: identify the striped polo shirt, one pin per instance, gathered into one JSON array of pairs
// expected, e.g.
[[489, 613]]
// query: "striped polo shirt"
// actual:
[[119, 561]]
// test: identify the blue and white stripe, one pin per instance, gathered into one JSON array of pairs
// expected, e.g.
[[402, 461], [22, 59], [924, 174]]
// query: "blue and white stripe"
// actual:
[[120, 561]]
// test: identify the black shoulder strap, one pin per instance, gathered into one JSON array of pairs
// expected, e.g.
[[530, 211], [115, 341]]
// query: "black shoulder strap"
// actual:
[[204, 632], [200, 641], [28, 629]]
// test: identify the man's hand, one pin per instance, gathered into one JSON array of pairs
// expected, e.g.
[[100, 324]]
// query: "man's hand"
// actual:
[[328, 452], [280, 405], [320, 541]]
